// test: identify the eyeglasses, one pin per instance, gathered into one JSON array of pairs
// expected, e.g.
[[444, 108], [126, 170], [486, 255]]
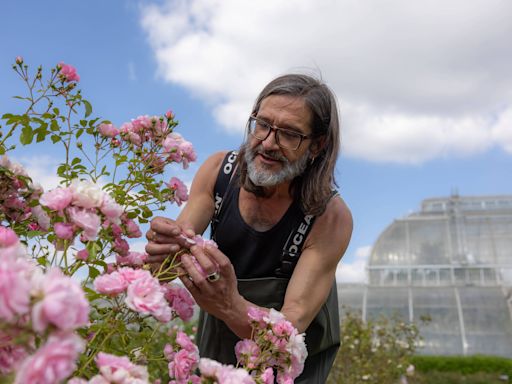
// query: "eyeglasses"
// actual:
[[285, 138]]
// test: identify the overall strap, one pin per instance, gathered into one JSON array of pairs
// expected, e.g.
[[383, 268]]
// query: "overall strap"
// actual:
[[221, 185], [293, 246]]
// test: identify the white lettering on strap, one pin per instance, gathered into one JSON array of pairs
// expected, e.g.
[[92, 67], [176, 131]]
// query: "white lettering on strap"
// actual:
[[229, 165], [299, 235], [218, 200]]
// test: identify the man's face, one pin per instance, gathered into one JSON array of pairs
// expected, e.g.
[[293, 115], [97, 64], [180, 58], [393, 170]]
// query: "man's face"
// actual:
[[267, 163]]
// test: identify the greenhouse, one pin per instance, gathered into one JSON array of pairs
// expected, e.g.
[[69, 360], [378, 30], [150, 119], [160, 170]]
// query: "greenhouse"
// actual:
[[451, 262]]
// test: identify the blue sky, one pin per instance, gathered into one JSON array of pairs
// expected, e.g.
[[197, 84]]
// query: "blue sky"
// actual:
[[425, 88]]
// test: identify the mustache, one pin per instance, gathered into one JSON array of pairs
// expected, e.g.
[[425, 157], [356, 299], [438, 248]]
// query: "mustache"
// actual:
[[274, 155]]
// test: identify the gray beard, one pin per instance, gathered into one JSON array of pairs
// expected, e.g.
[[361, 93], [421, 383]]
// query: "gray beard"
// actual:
[[265, 177]]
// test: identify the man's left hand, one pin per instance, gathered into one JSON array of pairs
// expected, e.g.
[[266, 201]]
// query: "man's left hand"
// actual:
[[212, 282]]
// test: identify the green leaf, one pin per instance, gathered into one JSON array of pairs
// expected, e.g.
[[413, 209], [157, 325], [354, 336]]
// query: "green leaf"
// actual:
[[27, 135], [88, 108], [146, 212], [2, 149], [55, 138], [76, 160], [54, 126], [93, 272], [92, 122], [83, 123], [42, 261]]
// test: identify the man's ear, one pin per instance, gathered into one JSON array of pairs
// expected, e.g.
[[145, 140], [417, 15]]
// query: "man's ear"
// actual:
[[317, 145]]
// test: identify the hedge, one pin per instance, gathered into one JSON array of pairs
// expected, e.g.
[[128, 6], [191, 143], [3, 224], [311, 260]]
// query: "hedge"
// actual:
[[463, 364]]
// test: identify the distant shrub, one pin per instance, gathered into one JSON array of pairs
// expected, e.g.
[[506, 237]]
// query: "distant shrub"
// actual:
[[377, 351]]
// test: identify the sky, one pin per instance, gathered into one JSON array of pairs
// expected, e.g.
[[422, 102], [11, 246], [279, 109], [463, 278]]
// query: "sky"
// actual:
[[424, 87]]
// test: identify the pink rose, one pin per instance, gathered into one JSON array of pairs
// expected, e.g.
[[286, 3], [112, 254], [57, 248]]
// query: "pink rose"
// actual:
[[267, 376], [53, 362], [11, 354], [188, 153], [110, 284], [184, 341], [7, 237], [57, 199], [283, 328], [64, 231], [68, 72], [231, 375], [108, 130], [171, 146], [87, 220], [257, 316], [247, 353], [179, 189], [141, 123], [126, 128], [63, 305], [119, 369], [146, 296], [132, 229], [41, 217], [15, 273], [135, 139], [183, 365], [111, 209], [130, 274], [121, 246], [83, 255], [133, 258], [180, 300]]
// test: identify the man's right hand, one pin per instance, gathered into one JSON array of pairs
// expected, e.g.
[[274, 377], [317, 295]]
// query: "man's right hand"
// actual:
[[166, 237]]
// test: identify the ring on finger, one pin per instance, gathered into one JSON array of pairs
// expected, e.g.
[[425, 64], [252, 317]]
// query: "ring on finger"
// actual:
[[213, 277]]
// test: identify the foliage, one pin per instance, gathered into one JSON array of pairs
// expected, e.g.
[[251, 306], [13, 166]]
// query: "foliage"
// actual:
[[377, 351]]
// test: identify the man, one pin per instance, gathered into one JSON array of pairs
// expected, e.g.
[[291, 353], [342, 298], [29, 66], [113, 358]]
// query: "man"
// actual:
[[280, 228]]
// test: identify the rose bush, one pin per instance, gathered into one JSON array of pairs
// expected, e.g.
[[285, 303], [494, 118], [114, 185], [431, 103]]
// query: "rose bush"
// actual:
[[76, 303]]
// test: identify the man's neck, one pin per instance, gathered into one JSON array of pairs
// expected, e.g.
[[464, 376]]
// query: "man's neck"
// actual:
[[280, 191]]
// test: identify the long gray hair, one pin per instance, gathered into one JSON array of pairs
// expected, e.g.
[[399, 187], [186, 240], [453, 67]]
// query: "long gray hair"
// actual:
[[313, 188]]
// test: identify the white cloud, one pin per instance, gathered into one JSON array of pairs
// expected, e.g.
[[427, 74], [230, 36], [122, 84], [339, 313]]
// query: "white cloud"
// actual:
[[354, 271], [415, 80], [42, 169]]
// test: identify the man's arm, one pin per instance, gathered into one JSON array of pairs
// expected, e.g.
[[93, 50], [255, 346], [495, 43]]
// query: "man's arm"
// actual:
[[315, 271], [164, 234]]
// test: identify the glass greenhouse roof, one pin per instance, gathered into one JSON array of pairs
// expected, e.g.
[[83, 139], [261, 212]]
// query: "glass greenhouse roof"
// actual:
[[451, 262]]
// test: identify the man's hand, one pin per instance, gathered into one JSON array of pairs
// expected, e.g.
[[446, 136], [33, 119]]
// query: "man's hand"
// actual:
[[166, 237], [219, 297]]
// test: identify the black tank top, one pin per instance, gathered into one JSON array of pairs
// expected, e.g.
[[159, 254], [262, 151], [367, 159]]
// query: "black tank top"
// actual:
[[253, 253]]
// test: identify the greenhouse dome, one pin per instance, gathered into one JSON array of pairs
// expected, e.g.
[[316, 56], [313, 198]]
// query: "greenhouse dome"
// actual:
[[451, 262]]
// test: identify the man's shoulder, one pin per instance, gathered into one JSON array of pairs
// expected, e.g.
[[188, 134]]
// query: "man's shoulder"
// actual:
[[212, 164], [336, 217]]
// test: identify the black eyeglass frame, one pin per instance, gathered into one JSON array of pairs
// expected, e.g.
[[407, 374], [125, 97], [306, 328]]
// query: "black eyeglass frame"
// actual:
[[276, 130]]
